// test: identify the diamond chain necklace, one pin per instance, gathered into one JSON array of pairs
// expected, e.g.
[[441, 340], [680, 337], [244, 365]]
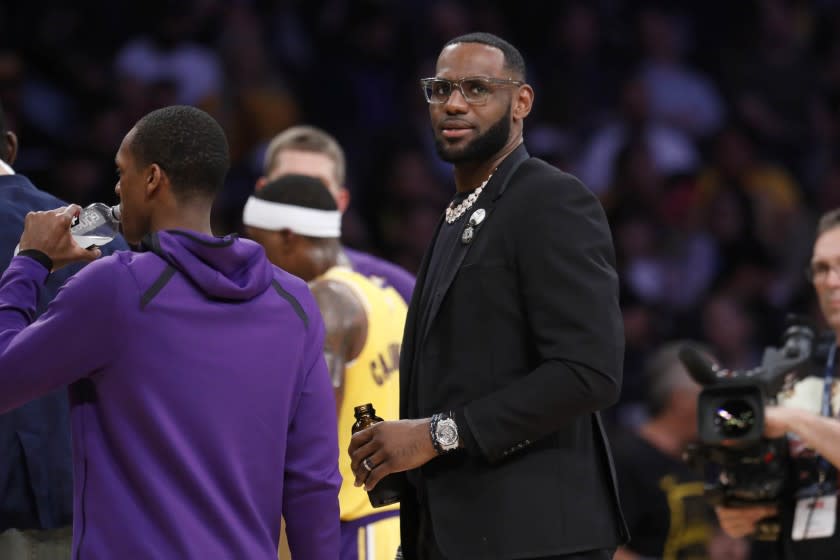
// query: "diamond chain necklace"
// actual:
[[455, 212]]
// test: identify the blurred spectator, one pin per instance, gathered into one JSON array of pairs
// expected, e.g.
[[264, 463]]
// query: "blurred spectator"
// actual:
[[640, 259], [772, 83], [828, 191], [576, 82], [679, 95], [769, 208], [662, 498], [257, 100], [166, 53], [411, 207], [689, 248], [671, 150], [664, 255], [636, 182], [642, 330], [730, 330], [773, 194], [257, 96]]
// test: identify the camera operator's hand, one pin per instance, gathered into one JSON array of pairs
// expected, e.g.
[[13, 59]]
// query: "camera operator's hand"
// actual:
[[777, 421], [820, 433], [740, 522]]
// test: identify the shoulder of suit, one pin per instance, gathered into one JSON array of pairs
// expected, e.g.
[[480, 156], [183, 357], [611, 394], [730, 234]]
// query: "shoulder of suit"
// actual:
[[20, 195], [535, 176]]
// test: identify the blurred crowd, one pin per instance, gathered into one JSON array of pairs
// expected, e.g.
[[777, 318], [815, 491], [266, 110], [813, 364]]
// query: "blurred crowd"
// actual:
[[709, 129]]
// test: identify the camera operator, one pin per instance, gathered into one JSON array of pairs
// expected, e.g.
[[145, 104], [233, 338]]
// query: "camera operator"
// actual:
[[810, 530]]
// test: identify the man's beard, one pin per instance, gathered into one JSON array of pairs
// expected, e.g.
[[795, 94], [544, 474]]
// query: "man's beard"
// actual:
[[481, 148]]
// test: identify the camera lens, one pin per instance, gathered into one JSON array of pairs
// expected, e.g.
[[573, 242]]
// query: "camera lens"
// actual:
[[734, 418]]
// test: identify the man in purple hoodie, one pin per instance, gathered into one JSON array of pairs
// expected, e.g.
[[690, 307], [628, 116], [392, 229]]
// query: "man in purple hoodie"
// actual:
[[201, 407]]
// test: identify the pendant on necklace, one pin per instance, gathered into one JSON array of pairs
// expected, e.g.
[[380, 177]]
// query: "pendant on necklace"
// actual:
[[472, 225], [467, 236]]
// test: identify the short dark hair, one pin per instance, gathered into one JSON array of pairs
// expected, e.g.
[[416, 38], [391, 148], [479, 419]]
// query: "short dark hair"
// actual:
[[298, 190], [828, 221], [513, 58], [188, 144], [664, 373]]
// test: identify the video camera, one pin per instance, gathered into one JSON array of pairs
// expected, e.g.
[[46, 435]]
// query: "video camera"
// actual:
[[739, 465], [731, 406]]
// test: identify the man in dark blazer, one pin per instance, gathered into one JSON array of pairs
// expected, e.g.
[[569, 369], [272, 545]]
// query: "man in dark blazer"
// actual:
[[36, 479], [513, 342]]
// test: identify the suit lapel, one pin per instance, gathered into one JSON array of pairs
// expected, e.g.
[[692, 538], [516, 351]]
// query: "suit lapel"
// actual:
[[494, 189], [412, 324]]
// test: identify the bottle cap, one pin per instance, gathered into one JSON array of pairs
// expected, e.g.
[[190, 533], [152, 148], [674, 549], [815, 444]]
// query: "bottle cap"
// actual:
[[363, 409]]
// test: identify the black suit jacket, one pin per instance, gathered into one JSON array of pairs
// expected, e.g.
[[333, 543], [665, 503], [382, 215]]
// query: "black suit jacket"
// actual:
[[525, 341]]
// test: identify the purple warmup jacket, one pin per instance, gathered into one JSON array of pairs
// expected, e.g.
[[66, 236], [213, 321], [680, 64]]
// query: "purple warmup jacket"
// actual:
[[201, 406]]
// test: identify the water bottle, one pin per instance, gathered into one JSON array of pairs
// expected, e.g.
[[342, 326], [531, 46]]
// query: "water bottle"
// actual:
[[388, 489], [96, 225]]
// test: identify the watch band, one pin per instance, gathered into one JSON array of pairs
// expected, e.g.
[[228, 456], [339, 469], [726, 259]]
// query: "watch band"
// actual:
[[38, 256], [433, 428]]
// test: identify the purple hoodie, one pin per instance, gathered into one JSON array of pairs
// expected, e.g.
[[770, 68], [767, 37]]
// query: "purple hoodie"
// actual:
[[201, 406]]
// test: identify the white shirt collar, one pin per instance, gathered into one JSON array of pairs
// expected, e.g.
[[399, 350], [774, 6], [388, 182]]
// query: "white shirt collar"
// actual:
[[5, 168]]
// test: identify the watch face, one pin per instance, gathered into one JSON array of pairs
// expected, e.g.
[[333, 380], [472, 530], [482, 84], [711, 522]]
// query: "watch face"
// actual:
[[447, 433]]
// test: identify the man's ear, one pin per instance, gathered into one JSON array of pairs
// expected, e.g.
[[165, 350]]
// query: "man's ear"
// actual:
[[342, 199], [11, 141], [523, 102], [155, 177], [261, 182]]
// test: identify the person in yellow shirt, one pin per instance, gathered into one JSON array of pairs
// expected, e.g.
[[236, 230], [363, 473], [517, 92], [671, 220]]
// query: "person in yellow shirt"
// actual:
[[297, 221], [773, 193]]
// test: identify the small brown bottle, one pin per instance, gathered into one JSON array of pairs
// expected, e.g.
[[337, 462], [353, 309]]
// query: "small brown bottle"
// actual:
[[387, 491]]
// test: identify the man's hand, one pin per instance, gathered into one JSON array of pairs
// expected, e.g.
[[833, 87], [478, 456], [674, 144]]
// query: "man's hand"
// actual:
[[740, 522], [777, 420], [389, 447], [49, 232], [820, 433], [723, 547]]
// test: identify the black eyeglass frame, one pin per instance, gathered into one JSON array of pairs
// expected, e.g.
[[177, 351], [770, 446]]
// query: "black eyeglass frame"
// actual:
[[822, 274]]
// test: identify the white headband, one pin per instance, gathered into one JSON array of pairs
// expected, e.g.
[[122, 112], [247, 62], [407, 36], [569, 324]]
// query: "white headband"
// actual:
[[275, 216]]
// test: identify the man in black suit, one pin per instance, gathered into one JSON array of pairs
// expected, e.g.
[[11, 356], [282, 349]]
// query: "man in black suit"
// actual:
[[513, 342]]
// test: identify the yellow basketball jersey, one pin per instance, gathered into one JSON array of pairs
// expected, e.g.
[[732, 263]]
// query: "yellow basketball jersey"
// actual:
[[373, 377]]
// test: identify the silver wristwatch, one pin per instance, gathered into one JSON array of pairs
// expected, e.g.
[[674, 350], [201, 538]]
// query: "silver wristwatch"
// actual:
[[444, 433]]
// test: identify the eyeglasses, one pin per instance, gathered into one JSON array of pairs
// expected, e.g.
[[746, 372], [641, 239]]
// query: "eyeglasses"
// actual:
[[819, 271], [475, 90]]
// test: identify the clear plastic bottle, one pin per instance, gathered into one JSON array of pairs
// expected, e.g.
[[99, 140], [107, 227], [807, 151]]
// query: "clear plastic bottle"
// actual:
[[96, 225]]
